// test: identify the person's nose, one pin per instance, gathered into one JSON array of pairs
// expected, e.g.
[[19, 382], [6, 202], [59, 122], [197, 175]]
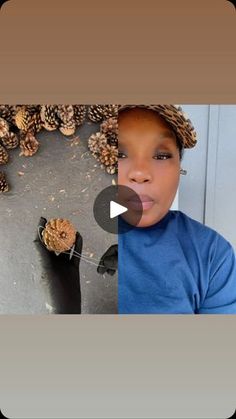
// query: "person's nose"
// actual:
[[140, 172]]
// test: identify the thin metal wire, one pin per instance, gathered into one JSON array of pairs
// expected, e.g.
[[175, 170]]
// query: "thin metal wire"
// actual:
[[75, 253]]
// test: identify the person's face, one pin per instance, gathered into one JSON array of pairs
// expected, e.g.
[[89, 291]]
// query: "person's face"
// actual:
[[149, 162]]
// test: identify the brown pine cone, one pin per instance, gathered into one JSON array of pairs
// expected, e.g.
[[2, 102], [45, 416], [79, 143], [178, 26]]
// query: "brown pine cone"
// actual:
[[35, 124], [96, 113], [29, 145], [65, 112], [67, 123], [96, 143], [79, 114], [6, 112], [49, 117], [10, 141], [32, 109], [4, 127], [4, 156], [59, 235], [4, 187], [109, 158], [110, 128], [23, 118], [67, 128], [110, 111]]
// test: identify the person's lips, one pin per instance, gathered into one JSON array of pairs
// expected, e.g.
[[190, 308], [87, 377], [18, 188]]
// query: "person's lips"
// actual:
[[140, 202]]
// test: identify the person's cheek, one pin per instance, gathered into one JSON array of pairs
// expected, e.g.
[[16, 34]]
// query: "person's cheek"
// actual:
[[168, 185]]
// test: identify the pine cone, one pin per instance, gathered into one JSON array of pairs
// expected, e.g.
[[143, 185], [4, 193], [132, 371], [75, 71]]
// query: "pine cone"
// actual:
[[4, 187], [23, 118], [66, 115], [109, 158], [65, 112], [79, 114], [110, 128], [49, 117], [4, 156], [96, 113], [4, 127], [59, 235], [29, 145], [96, 143], [67, 128], [32, 109], [6, 112], [35, 124], [10, 141], [110, 111]]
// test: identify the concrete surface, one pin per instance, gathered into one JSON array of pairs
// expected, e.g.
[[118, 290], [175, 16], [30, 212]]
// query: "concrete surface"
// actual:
[[61, 180]]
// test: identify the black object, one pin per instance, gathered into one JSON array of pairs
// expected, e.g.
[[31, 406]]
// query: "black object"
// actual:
[[233, 2], [109, 260], [60, 275], [2, 3]]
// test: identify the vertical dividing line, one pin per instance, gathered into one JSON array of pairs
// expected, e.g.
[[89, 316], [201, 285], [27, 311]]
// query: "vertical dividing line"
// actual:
[[206, 165], [211, 165]]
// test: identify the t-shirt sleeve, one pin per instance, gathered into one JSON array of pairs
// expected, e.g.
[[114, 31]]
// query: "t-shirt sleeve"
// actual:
[[221, 293]]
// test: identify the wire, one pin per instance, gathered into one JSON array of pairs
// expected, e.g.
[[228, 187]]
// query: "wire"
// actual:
[[75, 253]]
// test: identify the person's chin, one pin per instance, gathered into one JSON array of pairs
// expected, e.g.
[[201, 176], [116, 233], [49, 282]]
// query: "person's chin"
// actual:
[[147, 219], [151, 217]]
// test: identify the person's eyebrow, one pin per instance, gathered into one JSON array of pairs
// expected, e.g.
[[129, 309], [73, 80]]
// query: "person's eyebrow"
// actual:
[[167, 135]]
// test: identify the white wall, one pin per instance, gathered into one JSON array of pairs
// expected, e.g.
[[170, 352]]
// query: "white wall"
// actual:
[[207, 192]]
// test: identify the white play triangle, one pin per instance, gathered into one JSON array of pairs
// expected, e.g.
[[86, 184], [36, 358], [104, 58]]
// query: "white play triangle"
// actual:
[[116, 209]]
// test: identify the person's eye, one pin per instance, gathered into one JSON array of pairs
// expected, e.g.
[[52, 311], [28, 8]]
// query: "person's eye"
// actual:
[[121, 155], [162, 156]]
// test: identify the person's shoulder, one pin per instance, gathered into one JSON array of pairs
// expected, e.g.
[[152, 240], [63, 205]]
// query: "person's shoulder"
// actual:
[[197, 229], [217, 252]]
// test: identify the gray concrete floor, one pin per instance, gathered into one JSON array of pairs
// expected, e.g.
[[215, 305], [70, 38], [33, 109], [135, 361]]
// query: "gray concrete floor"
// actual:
[[61, 180]]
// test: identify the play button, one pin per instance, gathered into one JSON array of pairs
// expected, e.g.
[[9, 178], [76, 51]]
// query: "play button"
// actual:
[[112, 207], [116, 209]]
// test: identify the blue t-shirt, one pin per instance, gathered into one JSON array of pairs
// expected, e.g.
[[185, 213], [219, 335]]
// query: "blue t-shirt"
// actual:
[[176, 266]]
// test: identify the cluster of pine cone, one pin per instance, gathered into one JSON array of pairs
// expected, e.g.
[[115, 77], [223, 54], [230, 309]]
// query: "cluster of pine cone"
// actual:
[[104, 144], [19, 125]]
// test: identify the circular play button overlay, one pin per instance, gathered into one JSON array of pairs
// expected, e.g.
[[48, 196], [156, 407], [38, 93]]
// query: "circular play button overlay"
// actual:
[[117, 209]]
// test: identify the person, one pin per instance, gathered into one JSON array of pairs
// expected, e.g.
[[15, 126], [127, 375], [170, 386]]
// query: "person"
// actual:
[[168, 263]]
